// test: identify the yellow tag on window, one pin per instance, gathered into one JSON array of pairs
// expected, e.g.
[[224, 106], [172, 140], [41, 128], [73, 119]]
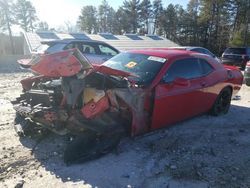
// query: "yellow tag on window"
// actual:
[[131, 64]]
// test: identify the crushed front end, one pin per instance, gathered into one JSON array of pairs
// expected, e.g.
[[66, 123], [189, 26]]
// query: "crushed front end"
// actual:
[[96, 104]]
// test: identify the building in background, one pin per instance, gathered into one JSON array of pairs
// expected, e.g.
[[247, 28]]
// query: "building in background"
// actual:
[[121, 42], [5, 45]]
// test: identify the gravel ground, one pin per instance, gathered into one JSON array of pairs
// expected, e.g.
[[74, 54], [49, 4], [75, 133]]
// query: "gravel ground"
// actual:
[[204, 151]]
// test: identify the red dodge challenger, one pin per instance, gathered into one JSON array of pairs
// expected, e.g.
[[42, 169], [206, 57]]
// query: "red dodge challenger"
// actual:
[[133, 93]]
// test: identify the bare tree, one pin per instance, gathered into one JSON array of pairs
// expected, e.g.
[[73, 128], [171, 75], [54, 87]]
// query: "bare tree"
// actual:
[[7, 20], [25, 14]]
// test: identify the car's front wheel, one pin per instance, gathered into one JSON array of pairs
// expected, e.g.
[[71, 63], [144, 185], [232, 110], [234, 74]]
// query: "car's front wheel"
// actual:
[[25, 127], [222, 103]]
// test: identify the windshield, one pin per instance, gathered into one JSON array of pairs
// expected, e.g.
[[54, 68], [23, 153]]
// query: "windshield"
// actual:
[[55, 48], [144, 67], [240, 51]]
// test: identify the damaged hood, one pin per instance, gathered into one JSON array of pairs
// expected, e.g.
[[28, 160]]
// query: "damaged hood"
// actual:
[[69, 63], [61, 64], [109, 71]]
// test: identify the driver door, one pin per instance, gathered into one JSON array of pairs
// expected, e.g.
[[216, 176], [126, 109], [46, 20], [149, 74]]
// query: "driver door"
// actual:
[[179, 95]]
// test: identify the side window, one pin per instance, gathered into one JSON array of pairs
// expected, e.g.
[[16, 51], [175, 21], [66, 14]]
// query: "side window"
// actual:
[[206, 67], [70, 46], [184, 68], [88, 49], [106, 50]]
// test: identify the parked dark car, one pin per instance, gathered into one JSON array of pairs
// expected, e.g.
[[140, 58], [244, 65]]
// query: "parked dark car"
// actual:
[[236, 57], [247, 74], [96, 51]]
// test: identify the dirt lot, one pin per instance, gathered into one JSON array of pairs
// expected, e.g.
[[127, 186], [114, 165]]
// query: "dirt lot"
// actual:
[[202, 152]]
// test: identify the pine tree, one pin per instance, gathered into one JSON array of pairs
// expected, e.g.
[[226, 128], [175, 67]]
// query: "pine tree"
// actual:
[[192, 21], [106, 17], [145, 14], [111, 20], [132, 11], [169, 22], [103, 11], [121, 22], [7, 19], [87, 20], [157, 14]]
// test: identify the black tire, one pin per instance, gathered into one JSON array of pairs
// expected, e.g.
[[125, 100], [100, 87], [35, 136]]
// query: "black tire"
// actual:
[[89, 146], [243, 66], [222, 103], [25, 127], [20, 125], [248, 82]]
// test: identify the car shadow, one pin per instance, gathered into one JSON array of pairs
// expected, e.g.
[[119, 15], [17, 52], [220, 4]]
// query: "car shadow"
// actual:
[[130, 164]]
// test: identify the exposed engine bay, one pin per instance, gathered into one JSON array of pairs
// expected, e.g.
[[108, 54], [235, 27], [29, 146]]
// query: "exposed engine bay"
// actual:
[[98, 105]]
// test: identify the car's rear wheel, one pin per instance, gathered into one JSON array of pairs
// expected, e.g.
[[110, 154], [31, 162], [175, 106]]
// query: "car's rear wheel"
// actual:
[[248, 82], [243, 66], [222, 103]]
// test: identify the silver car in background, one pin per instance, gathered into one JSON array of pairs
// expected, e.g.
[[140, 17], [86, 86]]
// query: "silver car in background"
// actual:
[[97, 52]]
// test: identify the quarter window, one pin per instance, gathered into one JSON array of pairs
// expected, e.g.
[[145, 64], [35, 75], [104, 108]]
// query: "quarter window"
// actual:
[[200, 50], [205, 66], [209, 53]]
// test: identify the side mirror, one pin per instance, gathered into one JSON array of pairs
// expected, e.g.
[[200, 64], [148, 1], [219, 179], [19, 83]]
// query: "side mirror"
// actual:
[[181, 82]]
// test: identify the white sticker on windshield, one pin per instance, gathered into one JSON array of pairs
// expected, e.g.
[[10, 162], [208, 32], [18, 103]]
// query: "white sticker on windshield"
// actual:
[[158, 59]]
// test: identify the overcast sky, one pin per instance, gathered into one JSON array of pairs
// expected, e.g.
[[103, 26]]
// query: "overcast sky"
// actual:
[[57, 12]]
